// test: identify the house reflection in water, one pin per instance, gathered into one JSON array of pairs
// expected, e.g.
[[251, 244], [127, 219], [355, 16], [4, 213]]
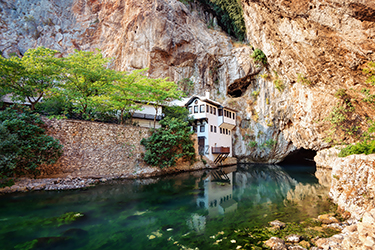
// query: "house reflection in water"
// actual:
[[217, 196]]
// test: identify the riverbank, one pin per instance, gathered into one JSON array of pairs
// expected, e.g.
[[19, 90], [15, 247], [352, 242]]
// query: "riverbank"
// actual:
[[63, 182], [351, 181]]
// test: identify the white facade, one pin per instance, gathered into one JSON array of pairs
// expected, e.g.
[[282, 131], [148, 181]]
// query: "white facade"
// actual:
[[213, 124], [145, 116]]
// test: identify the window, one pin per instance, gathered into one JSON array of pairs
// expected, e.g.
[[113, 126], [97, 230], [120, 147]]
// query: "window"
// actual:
[[214, 111], [233, 116], [220, 112], [214, 129], [226, 131], [229, 132], [230, 114], [207, 108], [195, 108], [221, 130], [211, 109], [202, 108], [225, 113], [201, 128], [195, 129], [190, 110]]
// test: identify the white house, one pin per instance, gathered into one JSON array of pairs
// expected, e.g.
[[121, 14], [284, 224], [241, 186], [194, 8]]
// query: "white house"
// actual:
[[213, 124], [145, 116]]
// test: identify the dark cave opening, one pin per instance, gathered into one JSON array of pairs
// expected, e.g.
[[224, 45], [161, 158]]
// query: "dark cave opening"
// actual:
[[300, 157], [236, 93], [300, 165]]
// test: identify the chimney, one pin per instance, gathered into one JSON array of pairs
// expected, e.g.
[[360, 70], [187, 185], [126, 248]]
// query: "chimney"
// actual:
[[207, 95]]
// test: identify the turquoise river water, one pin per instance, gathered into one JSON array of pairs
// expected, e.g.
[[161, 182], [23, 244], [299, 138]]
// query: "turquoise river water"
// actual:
[[182, 211]]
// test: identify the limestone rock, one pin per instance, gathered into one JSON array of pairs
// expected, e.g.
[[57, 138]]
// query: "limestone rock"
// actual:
[[327, 219], [352, 181], [293, 238], [276, 244], [277, 224]]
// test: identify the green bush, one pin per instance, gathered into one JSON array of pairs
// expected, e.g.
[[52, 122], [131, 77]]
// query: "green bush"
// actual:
[[259, 56], [23, 143], [365, 147], [303, 80], [54, 106], [180, 113], [169, 143], [252, 144], [230, 16]]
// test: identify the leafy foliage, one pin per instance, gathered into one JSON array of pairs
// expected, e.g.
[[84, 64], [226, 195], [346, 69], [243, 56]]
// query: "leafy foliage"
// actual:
[[370, 72], [24, 145], [279, 84], [160, 91], [123, 93], [303, 80], [230, 16], [259, 56], [186, 85], [180, 113], [85, 76], [169, 143], [31, 76], [364, 147], [252, 144]]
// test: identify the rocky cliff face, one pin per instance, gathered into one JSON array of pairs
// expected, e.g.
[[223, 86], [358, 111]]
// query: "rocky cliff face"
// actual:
[[351, 180], [327, 42]]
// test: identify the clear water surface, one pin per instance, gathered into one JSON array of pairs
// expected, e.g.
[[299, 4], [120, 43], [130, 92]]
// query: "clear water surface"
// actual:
[[173, 212]]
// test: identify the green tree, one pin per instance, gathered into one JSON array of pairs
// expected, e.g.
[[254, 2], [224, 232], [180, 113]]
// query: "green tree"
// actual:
[[160, 92], [29, 77], [23, 143], [85, 76], [169, 143], [125, 93], [178, 112]]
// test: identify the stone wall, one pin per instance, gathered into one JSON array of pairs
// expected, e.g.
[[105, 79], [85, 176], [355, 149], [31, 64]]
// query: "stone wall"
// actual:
[[352, 180], [95, 149]]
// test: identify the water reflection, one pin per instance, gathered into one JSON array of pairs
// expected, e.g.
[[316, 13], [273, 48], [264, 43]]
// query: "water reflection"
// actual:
[[217, 195], [263, 183], [149, 213]]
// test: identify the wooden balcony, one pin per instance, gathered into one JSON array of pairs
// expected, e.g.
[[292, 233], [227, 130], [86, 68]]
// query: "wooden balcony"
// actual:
[[220, 150]]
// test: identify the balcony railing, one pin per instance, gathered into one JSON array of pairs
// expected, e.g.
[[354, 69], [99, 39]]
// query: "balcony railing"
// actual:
[[220, 150]]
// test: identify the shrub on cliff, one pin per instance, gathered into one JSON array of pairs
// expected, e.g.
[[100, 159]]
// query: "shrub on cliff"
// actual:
[[169, 143], [23, 143], [259, 56]]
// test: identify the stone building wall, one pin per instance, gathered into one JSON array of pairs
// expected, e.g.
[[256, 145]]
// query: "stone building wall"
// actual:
[[95, 149]]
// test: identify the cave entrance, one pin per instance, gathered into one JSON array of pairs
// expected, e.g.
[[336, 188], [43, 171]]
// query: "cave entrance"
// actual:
[[300, 165], [300, 157], [239, 87]]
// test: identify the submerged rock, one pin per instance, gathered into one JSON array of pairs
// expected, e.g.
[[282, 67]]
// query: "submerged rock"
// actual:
[[277, 224], [293, 238], [327, 219], [276, 244]]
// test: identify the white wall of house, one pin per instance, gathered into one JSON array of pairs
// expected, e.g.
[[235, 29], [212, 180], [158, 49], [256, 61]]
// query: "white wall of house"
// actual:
[[149, 110], [144, 123], [212, 129]]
